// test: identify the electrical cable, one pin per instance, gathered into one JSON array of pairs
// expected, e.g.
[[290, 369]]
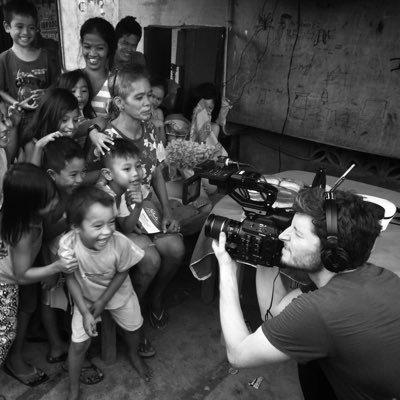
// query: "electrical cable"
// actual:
[[288, 84], [268, 312], [259, 59]]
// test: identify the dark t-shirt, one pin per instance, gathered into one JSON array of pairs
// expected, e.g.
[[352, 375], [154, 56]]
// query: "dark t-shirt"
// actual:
[[352, 327], [18, 77]]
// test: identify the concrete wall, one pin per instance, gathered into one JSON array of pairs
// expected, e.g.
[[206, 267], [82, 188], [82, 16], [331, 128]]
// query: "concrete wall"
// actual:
[[148, 12]]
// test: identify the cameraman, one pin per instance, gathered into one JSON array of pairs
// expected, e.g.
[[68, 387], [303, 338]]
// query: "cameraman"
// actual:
[[349, 325]]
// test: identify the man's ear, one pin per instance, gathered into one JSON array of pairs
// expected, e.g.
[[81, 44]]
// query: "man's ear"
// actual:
[[107, 174], [52, 173]]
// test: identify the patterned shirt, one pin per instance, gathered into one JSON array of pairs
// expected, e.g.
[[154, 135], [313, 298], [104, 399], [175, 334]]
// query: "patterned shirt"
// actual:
[[101, 101]]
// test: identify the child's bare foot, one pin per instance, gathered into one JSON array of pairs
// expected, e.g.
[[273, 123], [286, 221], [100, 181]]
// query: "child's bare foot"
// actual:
[[141, 367]]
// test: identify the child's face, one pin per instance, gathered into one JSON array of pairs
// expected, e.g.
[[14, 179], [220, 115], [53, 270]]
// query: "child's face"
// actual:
[[97, 227], [5, 125], [69, 123], [137, 103], [22, 30], [127, 173], [156, 96], [81, 92], [71, 176], [94, 51], [127, 45]]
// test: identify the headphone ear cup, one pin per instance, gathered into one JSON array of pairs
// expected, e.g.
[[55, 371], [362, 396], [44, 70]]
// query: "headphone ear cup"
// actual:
[[335, 259]]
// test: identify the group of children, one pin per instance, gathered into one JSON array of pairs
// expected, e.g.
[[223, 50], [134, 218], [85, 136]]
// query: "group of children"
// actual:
[[80, 161]]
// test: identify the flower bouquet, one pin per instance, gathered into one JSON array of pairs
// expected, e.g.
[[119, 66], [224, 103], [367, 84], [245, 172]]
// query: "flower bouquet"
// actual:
[[184, 154]]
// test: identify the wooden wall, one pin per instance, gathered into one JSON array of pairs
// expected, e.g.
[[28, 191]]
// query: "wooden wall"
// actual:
[[322, 70]]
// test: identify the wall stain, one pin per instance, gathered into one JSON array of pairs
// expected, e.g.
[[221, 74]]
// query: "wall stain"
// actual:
[[380, 27]]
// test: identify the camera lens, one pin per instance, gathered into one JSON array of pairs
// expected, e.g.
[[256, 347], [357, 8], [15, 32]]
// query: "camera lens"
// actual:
[[216, 224]]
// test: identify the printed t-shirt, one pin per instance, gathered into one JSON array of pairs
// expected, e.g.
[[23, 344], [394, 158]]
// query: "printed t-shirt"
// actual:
[[18, 77], [351, 328]]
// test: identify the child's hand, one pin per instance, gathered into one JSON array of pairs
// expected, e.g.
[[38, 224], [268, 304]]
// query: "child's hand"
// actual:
[[97, 308], [89, 324], [133, 196], [31, 103], [65, 265], [41, 143], [137, 229], [100, 141], [169, 224]]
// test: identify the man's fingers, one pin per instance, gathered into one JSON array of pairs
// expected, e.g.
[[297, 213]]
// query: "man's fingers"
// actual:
[[222, 240]]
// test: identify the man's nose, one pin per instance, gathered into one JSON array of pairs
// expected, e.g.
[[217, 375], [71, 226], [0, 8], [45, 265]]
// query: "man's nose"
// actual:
[[284, 236]]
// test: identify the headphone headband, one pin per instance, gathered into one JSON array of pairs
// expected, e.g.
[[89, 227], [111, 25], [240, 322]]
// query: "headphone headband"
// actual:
[[331, 219]]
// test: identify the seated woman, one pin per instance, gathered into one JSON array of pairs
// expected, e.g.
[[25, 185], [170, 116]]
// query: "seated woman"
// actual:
[[130, 89]]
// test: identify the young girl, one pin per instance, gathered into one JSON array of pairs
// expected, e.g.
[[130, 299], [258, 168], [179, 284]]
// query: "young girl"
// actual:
[[77, 82], [130, 89], [57, 115], [21, 235]]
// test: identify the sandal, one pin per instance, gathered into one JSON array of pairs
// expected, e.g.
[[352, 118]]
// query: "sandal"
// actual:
[[145, 349], [53, 360], [34, 378], [91, 374], [159, 321]]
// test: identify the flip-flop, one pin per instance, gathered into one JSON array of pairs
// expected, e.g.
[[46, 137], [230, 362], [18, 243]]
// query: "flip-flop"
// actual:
[[53, 360], [145, 349], [159, 321], [32, 379], [94, 375]]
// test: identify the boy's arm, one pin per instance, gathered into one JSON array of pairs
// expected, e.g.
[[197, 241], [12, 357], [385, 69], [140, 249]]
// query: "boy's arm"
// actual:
[[8, 98], [76, 293], [127, 224], [98, 306], [89, 322]]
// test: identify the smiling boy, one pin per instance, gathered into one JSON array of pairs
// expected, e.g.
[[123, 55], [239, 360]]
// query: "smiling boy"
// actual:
[[24, 69], [102, 282]]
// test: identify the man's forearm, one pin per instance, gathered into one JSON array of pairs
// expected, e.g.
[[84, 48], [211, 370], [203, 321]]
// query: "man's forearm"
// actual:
[[233, 326]]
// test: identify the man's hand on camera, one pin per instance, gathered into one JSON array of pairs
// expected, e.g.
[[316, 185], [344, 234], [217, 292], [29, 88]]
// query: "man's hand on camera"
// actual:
[[222, 255]]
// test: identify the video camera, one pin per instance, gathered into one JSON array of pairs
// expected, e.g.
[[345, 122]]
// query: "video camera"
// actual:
[[255, 239]]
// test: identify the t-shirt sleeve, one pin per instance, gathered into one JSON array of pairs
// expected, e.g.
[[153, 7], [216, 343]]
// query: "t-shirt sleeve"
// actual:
[[128, 252], [299, 331], [3, 73]]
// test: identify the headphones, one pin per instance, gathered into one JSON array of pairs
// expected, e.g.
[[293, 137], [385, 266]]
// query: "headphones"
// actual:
[[333, 257]]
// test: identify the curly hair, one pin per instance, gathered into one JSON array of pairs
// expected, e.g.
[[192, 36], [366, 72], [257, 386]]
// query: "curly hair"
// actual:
[[358, 221]]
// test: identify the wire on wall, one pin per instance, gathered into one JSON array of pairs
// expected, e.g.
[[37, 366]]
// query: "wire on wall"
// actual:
[[288, 84], [258, 28]]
